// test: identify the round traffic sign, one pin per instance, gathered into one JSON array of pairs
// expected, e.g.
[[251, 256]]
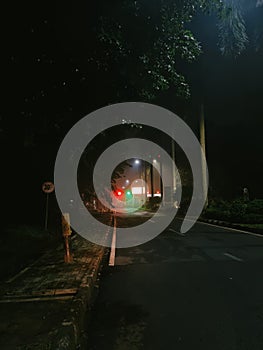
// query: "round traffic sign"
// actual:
[[48, 187]]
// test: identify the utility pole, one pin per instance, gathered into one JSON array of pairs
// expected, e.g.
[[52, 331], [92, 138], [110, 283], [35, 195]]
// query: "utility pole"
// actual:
[[203, 146]]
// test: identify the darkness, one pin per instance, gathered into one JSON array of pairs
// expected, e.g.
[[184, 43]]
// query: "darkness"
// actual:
[[48, 83], [232, 89]]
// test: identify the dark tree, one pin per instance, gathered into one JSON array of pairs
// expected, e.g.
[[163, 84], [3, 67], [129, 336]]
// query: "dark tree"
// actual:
[[143, 43]]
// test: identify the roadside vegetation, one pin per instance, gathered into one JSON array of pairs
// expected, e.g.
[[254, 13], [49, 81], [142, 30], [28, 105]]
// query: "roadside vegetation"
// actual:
[[246, 213]]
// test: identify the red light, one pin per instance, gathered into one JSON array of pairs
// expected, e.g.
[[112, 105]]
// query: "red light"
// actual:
[[118, 193], [158, 192]]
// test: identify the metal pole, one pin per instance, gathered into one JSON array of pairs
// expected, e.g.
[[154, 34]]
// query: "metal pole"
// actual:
[[46, 216]]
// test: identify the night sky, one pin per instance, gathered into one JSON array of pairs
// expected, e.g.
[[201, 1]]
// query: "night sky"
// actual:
[[49, 82]]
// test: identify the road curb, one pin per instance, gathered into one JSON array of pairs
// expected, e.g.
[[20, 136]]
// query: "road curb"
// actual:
[[71, 334]]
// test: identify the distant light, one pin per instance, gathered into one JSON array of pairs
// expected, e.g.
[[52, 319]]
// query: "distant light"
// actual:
[[155, 161], [128, 194], [138, 190], [157, 191], [127, 181], [137, 161], [119, 193], [123, 187]]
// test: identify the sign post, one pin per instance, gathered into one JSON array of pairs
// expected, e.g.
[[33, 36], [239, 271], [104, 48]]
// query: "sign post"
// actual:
[[47, 187], [46, 216]]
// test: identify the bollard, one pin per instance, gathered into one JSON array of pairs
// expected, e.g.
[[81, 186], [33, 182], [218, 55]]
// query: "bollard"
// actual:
[[66, 231]]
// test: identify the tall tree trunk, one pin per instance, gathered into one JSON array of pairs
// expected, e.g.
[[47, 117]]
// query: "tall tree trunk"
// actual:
[[203, 145], [173, 166]]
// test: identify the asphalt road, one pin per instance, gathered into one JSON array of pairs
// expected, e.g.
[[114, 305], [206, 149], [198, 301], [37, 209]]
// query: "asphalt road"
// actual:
[[203, 291]]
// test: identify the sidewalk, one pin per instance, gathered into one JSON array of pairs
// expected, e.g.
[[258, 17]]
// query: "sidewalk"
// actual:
[[45, 305]]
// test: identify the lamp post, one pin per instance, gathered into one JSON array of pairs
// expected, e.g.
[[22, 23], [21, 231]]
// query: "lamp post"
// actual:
[[137, 162]]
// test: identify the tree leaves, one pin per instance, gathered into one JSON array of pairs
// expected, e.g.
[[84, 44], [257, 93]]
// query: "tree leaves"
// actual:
[[144, 42]]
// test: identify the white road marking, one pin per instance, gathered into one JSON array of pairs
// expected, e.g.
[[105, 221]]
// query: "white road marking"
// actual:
[[233, 257], [113, 245], [179, 233], [225, 228]]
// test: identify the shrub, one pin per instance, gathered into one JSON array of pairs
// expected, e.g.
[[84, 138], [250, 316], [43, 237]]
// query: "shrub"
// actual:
[[255, 206], [235, 211]]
